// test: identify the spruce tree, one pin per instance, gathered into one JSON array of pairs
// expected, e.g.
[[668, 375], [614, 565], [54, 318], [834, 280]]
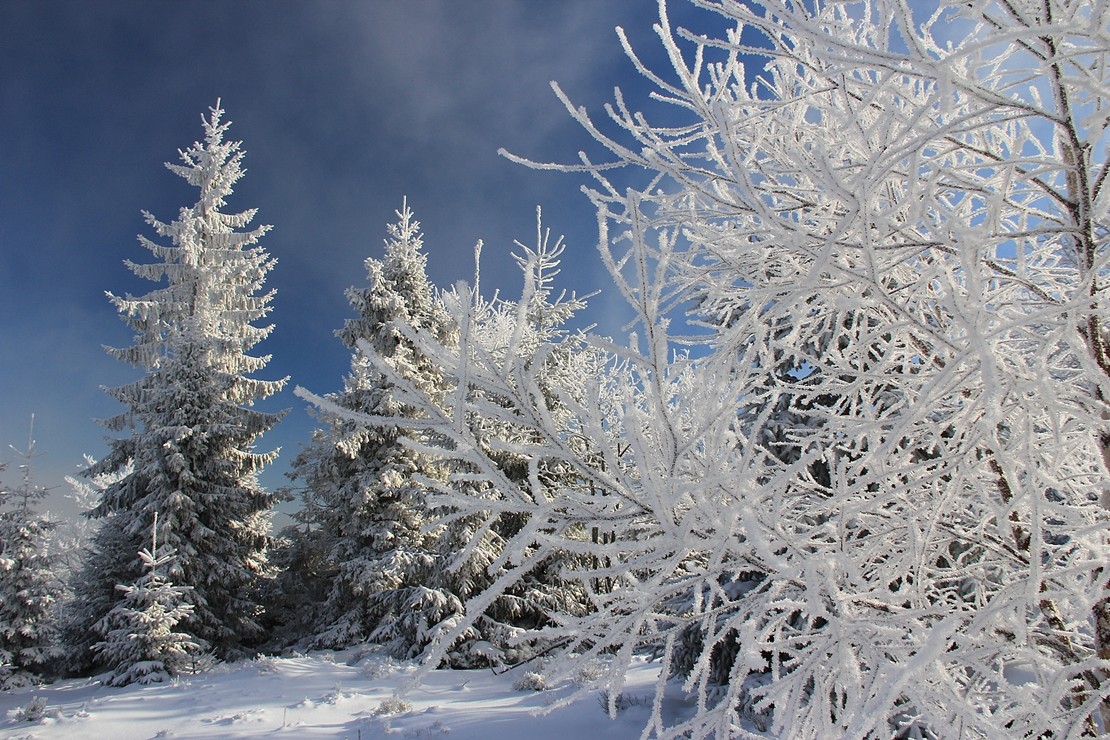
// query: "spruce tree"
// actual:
[[364, 492], [28, 634], [191, 429], [477, 546], [141, 644], [436, 564]]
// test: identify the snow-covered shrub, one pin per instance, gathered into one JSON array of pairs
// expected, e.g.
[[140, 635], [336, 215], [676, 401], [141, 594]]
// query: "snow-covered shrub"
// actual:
[[393, 705], [32, 711], [589, 673], [265, 664], [531, 681], [434, 730], [614, 704]]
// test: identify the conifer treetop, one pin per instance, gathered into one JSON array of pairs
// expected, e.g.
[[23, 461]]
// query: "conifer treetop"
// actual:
[[214, 271]]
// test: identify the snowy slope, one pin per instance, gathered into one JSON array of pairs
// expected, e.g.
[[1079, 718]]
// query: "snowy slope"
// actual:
[[336, 695]]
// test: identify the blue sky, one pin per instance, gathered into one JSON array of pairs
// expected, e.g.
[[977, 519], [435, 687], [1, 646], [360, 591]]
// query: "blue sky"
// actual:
[[343, 107]]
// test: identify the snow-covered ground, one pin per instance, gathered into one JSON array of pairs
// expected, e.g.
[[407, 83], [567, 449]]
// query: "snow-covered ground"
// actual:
[[335, 695]]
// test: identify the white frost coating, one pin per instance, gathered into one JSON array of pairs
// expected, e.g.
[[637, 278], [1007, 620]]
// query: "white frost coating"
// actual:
[[866, 503], [407, 570], [29, 639], [189, 447]]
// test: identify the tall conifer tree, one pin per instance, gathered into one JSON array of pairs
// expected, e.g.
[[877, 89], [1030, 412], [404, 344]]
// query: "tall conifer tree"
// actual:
[[363, 491], [191, 431]]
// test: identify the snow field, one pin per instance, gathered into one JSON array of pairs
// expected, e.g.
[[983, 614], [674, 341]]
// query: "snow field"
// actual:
[[336, 695]]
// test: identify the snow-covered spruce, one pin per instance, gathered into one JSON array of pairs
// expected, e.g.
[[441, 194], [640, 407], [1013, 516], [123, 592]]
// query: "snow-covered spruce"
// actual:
[[29, 639], [140, 644], [364, 499], [191, 429], [394, 579], [513, 624]]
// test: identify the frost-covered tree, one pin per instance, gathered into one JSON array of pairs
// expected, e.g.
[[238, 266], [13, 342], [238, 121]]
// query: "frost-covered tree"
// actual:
[[190, 426], [407, 607], [71, 538], [85, 559], [140, 644], [511, 626], [28, 633], [363, 491], [904, 532]]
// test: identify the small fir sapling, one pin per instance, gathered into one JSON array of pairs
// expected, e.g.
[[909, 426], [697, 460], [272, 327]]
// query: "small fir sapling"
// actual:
[[141, 644], [29, 639]]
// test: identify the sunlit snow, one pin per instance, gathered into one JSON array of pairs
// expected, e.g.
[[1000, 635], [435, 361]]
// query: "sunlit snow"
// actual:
[[336, 695]]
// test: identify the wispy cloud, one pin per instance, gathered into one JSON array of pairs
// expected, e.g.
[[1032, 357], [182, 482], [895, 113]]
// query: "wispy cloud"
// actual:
[[344, 107]]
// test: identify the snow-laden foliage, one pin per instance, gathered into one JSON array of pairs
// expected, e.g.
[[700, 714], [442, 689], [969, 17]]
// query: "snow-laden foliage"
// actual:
[[190, 429], [140, 644], [29, 639], [512, 625], [71, 537], [394, 578], [867, 502], [364, 505]]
